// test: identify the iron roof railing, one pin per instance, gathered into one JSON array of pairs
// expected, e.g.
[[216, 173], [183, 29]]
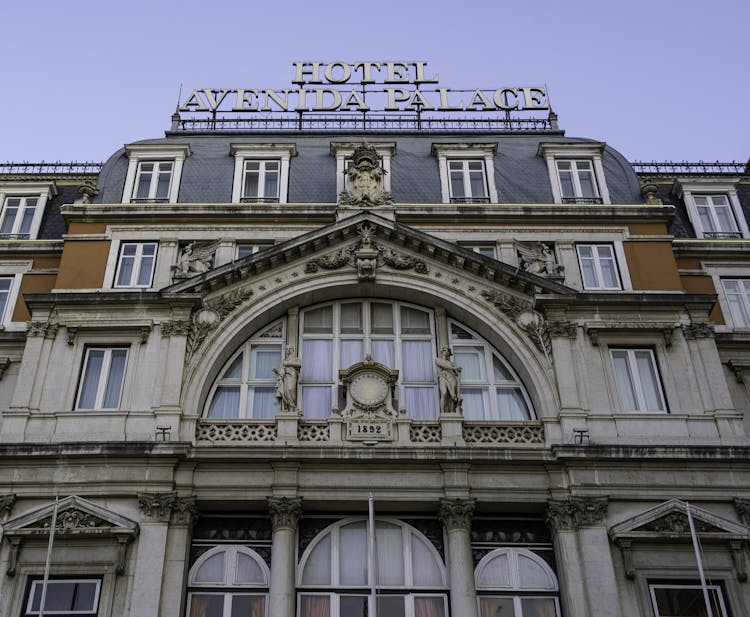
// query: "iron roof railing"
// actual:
[[50, 168], [677, 168]]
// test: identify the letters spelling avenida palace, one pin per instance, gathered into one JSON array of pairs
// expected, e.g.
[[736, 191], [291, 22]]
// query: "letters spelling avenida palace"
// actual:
[[372, 346]]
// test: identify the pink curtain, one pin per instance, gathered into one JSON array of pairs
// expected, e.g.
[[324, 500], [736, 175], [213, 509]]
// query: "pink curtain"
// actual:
[[315, 606]]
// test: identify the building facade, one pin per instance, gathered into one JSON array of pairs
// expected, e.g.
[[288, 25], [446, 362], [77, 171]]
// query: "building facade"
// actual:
[[527, 355]]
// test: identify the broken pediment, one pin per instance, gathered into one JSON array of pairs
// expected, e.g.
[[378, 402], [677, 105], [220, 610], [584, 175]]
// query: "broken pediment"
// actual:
[[76, 518]]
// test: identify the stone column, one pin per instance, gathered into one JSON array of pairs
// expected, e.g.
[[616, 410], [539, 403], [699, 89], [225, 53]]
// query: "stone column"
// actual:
[[156, 510], [561, 520], [285, 513], [177, 556], [588, 516], [456, 516]]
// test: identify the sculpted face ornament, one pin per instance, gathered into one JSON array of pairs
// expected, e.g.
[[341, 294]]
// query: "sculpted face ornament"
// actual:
[[365, 180]]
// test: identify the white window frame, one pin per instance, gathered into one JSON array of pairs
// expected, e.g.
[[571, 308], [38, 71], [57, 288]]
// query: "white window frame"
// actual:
[[254, 247], [730, 316], [636, 381], [42, 191], [13, 270], [689, 189], [154, 153], [343, 151], [488, 249], [597, 266], [677, 585], [103, 377], [280, 152], [591, 151], [38, 582], [137, 265], [471, 151]]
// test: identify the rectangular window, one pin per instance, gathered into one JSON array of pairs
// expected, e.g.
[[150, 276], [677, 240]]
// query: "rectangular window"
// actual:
[[17, 218], [467, 181], [598, 266], [260, 181], [248, 248], [737, 292], [102, 377], [638, 383], [716, 217], [135, 267], [673, 600], [74, 597], [577, 181], [153, 181], [6, 284]]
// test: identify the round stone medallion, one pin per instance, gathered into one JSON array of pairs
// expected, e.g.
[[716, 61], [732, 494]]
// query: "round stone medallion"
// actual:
[[369, 389]]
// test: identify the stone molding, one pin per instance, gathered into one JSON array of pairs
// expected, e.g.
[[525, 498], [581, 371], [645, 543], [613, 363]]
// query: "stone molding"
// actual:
[[175, 328], [574, 512], [285, 512], [457, 513]]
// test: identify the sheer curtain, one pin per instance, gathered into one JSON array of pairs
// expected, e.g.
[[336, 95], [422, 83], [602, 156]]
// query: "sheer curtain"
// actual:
[[314, 606], [225, 403], [425, 606], [94, 361]]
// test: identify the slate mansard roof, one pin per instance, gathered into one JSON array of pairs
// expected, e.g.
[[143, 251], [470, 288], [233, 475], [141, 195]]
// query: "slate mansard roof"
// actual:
[[521, 174]]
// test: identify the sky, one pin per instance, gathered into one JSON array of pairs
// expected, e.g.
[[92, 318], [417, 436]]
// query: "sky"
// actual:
[[658, 80]]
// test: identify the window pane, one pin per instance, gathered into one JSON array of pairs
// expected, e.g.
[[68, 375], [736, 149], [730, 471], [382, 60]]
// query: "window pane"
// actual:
[[251, 183], [685, 602], [420, 403], [95, 359], [414, 321], [476, 180], [471, 361], [351, 318], [489, 607], [418, 361], [353, 606], [248, 570], [235, 370], [457, 184], [114, 379], [496, 572], [225, 404], [649, 380], [212, 570], [265, 404], [316, 402], [390, 557], [317, 359], [318, 565], [248, 606], [532, 575], [126, 271], [353, 554], [624, 380], [473, 403], [424, 566], [382, 351], [162, 188], [566, 184], [265, 358], [315, 606], [66, 596], [206, 605], [271, 187], [392, 606], [351, 352], [539, 607], [501, 371], [425, 606], [144, 274], [9, 218], [382, 318], [28, 217], [319, 321], [511, 405]]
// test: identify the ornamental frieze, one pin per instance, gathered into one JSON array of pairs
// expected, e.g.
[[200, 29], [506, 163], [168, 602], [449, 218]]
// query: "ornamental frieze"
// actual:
[[677, 523], [72, 520]]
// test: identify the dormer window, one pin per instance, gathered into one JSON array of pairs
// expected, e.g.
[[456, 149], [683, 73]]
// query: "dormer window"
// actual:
[[22, 209], [261, 172], [467, 172], [713, 208], [575, 171], [154, 173]]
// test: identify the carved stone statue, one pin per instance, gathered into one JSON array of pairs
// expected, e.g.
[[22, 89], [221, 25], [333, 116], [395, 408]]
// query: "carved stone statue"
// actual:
[[194, 259], [365, 180], [449, 381], [538, 258], [286, 381]]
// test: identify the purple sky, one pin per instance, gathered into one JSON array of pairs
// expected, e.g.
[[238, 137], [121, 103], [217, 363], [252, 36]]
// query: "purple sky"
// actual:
[[658, 80]]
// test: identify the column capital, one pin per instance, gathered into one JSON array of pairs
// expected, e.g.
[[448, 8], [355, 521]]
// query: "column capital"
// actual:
[[157, 506], [574, 512], [456, 513], [184, 511], [284, 511]]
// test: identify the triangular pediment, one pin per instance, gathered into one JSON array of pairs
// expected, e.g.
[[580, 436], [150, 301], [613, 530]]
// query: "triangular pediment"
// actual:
[[76, 516], [345, 244], [669, 520]]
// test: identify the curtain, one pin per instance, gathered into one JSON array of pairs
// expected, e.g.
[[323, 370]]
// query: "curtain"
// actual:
[[352, 351], [649, 381], [314, 606], [317, 359], [316, 402], [94, 361], [265, 403], [418, 361], [382, 351], [425, 606], [114, 379], [353, 554], [390, 554], [265, 358], [624, 380], [225, 404], [511, 405], [420, 403], [473, 403]]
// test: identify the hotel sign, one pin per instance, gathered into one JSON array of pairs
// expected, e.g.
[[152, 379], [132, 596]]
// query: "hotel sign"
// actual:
[[343, 87]]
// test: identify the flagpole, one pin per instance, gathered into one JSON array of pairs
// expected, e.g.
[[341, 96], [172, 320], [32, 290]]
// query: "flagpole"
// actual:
[[52, 527], [371, 556], [696, 548]]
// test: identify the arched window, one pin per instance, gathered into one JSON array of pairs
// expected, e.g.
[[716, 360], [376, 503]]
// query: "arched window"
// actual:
[[228, 581], [334, 578], [514, 582], [246, 386], [490, 388], [337, 335]]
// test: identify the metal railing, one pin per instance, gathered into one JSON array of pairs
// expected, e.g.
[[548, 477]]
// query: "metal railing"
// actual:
[[582, 200], [470, 200], [722, 235], [50, 168], [684, 167], [334, 123]]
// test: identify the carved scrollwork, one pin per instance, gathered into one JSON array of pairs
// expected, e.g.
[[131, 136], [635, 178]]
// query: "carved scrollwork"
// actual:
[[698, 330], [184, 511], [457, 513], [285, 512], [562, 329], [505, 303], [677, 523], [72, 520], [175, 328], [157, 506], [575, 512], [365, 180], [44, 329]]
